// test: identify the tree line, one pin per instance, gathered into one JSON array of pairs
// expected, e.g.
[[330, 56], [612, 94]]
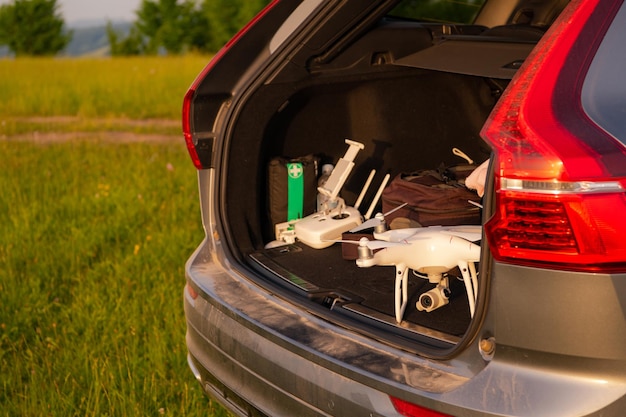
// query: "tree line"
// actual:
[[176, 27], [37, 28]]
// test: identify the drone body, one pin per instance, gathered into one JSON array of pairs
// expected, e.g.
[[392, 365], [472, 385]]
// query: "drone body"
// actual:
[[425, 251], [429, 250]]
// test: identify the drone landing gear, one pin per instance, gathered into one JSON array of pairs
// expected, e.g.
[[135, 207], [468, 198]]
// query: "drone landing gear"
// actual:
[[401, 291], [468, 270]]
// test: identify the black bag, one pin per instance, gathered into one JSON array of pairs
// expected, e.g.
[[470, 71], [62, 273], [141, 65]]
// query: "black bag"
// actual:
[[433, 197], [292, 188]]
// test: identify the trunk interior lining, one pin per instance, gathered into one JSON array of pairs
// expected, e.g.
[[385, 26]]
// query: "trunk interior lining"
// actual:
[[408, 119], [394, 117]]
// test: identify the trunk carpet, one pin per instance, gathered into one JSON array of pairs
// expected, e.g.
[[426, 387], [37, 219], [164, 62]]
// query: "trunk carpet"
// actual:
[[326, 269]]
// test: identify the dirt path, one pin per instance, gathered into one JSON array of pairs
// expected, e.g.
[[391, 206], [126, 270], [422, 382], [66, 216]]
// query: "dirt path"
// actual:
[[102, 121], [112, 130], [117, 137]]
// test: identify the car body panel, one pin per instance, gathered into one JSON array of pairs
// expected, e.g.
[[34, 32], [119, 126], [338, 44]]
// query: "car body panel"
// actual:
[[544, 342]]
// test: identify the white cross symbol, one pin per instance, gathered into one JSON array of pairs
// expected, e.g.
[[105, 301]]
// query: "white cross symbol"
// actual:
[[295, 170]]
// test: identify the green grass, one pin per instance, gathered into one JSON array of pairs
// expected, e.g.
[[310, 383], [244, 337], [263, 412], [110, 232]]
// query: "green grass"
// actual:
[[134, 87], [94, 235], [93, 239]]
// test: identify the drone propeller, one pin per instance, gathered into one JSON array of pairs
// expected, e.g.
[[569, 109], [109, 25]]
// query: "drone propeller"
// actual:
[[378, 219], [471, 233], [372, 244]]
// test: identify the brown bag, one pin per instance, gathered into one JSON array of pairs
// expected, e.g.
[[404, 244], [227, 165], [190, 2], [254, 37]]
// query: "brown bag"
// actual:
[[433, 198]]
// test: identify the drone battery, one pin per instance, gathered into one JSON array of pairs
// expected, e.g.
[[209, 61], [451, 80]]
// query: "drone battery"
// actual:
[[292, 188]]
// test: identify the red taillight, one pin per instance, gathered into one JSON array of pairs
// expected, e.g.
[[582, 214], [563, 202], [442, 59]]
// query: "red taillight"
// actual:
[[571, 231], [187, 127], [559, 177], [411, 410], [189, 97]]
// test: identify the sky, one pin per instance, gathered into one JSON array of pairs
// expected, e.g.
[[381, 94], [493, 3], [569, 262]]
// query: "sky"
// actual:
[[76, 10], [102, 10]]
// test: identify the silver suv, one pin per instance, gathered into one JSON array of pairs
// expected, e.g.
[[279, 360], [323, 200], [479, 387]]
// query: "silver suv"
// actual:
[[295, 309]]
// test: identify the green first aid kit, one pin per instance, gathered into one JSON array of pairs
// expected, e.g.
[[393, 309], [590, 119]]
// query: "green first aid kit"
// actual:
[[292, 186]]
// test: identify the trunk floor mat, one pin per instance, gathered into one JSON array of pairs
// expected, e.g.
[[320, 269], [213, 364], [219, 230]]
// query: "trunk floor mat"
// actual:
[[324, 270]]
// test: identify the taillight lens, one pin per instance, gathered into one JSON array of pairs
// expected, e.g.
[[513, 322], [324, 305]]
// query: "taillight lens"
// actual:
[[190, 95], [411, 410], [560, 178], [187, 127]]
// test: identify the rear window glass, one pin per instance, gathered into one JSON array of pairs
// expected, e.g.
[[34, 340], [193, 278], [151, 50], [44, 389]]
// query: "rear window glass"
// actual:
[[450, 11]]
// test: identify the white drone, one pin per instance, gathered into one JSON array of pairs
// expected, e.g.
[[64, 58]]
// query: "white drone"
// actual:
[[432, 251]]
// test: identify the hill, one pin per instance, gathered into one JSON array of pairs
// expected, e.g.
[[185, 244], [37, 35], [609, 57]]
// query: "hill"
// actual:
[[90, 38]]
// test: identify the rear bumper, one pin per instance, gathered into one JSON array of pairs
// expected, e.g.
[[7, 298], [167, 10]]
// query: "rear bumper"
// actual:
[[288, 362], [258, 377], [258, 354]]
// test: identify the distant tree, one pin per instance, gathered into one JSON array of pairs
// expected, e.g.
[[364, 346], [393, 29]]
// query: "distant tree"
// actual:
[[155, 22], [197, 30], [132, 44], [33, 27], [178, 26], [169, 26], [226, 17]]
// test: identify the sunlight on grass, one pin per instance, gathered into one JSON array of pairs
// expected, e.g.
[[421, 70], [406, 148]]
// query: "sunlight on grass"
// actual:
[[94, 235], [133, 87], [93, 240]]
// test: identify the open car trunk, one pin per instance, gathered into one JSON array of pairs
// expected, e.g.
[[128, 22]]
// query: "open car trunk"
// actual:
[[410, 93]]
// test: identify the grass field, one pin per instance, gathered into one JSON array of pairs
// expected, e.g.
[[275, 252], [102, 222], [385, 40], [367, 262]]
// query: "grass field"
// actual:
[[134, 87], [93, 239]]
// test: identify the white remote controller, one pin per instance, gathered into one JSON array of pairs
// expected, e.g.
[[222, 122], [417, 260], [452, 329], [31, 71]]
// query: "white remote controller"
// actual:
[[321, 230]]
